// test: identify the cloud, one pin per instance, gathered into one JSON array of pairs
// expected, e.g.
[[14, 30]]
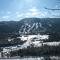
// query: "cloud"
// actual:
[[27, 14], [34, 9], [5, 17], [8, 12], [17, 12], [5, 12], [19, 15], [34, 12]]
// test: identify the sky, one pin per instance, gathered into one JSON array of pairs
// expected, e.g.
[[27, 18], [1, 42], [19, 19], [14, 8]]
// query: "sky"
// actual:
[[14, 10]]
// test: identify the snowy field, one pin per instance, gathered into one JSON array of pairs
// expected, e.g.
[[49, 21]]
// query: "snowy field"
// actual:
[[24, 59], [29, 40], [36, 58], [30, 37]]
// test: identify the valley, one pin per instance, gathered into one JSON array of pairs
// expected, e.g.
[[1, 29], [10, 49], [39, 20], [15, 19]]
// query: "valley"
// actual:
[[30, 37]]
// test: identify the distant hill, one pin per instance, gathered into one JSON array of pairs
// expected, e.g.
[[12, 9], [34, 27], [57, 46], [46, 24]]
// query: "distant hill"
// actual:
[[29, 25], [48, 26]]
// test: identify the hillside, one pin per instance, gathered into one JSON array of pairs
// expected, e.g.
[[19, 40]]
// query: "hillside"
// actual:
[[31, 25]]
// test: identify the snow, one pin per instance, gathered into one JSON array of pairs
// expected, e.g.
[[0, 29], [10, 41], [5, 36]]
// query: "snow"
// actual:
[[36, 25], [49, 25], [36, 44], [35, 40], [28, 27], [5, 50], [28, 43], [9, 40], [33, 58], [52, 43], [29, 37], [31, 27], [40, 24], [26, 58]]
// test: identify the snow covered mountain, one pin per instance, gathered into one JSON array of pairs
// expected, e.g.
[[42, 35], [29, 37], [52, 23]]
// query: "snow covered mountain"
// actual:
[[33, 33], [29, 25], [39, 25], [30, 30]]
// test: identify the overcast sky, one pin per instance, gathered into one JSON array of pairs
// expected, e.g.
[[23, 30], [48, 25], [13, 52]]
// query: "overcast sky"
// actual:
[[19, 9]]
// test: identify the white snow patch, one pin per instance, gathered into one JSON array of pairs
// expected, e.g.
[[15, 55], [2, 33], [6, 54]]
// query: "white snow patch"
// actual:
[[29, 37], [52, 43], [9, 40]]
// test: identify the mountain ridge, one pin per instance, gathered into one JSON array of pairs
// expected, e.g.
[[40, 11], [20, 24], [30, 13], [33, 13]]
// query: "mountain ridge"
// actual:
[[15, 26]]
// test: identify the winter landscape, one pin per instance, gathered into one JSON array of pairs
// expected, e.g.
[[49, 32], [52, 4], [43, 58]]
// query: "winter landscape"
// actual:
[[36, 39], [29, 30]]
